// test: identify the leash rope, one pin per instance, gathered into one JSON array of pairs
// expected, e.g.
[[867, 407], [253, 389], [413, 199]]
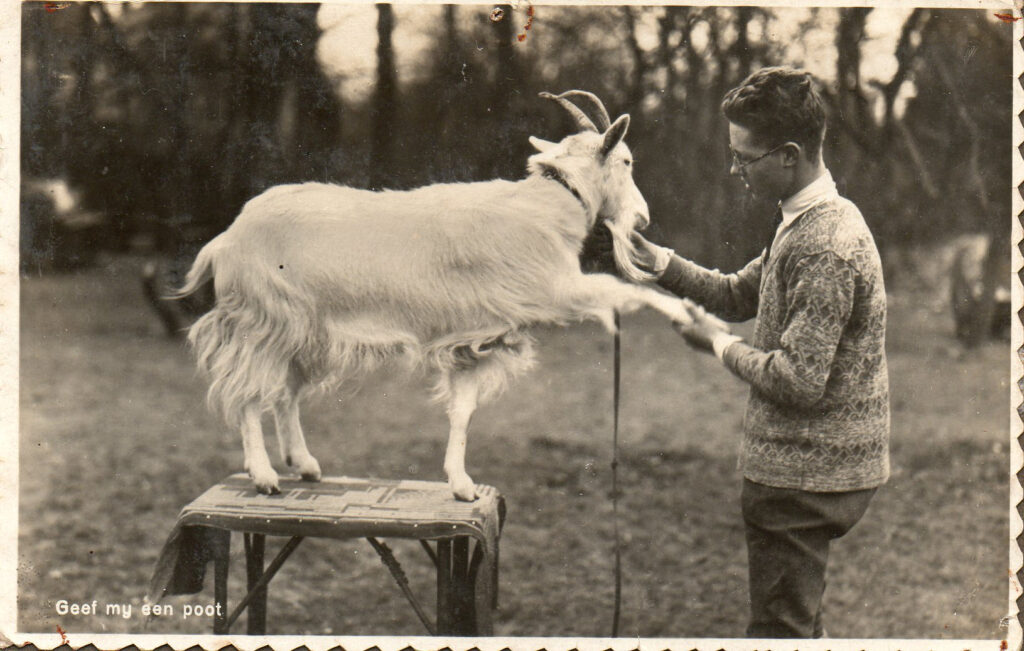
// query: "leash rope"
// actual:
[[617, 376]]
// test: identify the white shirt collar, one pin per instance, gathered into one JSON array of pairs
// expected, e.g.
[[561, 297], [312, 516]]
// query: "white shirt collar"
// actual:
[[818, 191]]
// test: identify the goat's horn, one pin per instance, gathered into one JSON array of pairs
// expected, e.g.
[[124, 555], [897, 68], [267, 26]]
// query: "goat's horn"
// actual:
[[603, 121], [582, 120]]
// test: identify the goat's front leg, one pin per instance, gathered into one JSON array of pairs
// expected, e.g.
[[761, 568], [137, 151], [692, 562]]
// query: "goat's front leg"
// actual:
[[257, 463], [599, 294], [465, 391]]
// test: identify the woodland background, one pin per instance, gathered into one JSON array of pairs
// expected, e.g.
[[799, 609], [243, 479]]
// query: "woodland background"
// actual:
[[166, 118]]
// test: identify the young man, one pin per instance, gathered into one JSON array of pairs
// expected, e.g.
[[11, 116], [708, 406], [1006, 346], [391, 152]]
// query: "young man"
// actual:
[[816, 433]]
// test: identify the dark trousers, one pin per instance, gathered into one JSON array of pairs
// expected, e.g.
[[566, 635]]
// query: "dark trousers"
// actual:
[[788, 537]]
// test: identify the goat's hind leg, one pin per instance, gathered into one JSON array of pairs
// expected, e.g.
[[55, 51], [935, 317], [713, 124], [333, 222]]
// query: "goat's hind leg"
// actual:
[[465, 393], [290, 439]]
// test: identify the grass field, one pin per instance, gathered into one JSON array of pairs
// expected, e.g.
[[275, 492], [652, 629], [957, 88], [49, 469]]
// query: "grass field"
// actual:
[[115, 439]]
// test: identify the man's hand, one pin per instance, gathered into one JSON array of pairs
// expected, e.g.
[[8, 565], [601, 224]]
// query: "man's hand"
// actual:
[[702, 328]]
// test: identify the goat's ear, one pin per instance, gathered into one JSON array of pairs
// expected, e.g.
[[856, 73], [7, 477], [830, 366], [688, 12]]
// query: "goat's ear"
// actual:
[[542, 145], [614, 134]]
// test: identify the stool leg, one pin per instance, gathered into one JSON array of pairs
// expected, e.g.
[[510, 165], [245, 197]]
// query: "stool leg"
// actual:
[[444, 587], [255, 544], [272, 569], [481, 595], [462, 611], [221, 540]]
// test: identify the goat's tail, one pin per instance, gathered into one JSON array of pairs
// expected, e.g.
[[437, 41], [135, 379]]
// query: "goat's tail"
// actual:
[[249, 342], [201, 271]]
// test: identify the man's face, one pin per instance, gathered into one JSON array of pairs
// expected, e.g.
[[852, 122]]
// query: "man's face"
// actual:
[[763, 169]]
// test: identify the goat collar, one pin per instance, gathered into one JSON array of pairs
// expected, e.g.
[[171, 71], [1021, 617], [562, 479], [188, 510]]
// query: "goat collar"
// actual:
[[554, 175]]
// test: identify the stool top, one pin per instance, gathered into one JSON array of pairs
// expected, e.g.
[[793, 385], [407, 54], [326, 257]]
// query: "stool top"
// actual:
[[346, 507], [335, 507]]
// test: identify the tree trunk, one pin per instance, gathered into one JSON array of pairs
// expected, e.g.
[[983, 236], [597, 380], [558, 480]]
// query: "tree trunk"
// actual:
[[452, 106], [384, 101], [852, 104], [635, 95], [506, 82], [744, 53]]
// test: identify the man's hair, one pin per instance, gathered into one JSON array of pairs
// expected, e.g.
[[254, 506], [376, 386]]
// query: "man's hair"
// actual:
[[778, 105]]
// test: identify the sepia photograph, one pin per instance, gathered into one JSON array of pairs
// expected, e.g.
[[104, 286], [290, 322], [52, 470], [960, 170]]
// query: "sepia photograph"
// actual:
[[460, 325]]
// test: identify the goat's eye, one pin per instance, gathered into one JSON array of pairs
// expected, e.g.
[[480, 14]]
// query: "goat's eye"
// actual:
[[628, 162]]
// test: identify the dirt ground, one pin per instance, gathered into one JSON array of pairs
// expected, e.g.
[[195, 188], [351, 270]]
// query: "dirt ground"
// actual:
[[116, 438]]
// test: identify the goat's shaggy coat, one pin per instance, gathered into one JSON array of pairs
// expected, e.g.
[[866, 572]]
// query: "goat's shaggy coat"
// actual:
[[317, 284]]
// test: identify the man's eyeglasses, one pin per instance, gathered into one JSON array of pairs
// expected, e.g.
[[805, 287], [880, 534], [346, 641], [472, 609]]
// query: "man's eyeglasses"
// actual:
[[741, 164]]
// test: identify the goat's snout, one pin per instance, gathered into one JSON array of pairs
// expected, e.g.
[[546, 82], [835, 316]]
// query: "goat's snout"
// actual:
[[643, 220], [642, 217]]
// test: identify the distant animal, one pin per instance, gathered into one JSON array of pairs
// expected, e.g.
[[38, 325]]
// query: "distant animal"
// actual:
[[316, 284], [979, 289], [161, 275]]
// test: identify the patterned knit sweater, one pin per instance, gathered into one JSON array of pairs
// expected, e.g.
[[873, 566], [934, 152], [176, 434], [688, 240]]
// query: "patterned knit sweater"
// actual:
[[818, 413]]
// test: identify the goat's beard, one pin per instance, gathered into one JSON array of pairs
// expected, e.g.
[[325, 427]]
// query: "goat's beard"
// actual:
[[626, 255]]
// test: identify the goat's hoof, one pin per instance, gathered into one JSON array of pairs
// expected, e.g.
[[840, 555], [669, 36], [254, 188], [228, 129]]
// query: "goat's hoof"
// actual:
[[311, 473], [266, 483], [463, 489], [268, 490], [308, 467]]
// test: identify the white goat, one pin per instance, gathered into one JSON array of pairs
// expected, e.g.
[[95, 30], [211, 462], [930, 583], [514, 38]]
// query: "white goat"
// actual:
[[317, 283]]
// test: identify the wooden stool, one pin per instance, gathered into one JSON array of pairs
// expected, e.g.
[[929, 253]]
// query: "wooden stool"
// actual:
[[341, 508]]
